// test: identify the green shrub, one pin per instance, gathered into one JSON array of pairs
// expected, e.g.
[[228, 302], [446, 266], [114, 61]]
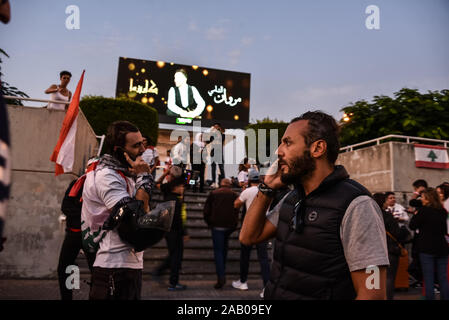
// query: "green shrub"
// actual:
[[267, 124], [101, 112]]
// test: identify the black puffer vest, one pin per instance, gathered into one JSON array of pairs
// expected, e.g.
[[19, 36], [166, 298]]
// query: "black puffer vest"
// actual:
[[311, 264], [192, 104]]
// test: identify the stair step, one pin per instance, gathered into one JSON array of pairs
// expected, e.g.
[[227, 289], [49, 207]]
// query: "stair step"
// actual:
[[196, 254], [192, 267], [234, 243]]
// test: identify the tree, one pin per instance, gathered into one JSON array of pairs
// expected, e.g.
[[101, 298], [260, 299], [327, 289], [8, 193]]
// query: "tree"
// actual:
[[8, 90], [267, 124], [408, 113], [100, 112]]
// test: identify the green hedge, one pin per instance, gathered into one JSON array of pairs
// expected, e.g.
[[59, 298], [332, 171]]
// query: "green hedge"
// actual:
[[101, 112], [267, 124]]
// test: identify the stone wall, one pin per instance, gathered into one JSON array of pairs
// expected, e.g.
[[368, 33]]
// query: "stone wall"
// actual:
[[33, 229], [389, 167]]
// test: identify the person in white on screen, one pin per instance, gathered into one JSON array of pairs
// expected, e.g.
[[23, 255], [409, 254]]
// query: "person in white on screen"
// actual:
[[183, 99], [60, 92]]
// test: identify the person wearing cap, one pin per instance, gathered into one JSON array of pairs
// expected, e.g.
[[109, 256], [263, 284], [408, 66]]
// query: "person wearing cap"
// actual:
[[244, 200]]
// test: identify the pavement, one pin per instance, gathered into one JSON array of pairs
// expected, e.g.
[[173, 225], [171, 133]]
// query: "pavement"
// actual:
[[152, 289]]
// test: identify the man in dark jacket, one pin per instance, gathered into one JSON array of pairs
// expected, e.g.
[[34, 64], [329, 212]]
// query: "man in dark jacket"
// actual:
[[395, 239], [71, 207], [330, 235], [221, 216], [174, 190]]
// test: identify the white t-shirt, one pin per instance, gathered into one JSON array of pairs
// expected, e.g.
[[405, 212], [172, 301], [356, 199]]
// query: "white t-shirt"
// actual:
[[399, 212], [243, 176], [180, 153], [247, 196], [102, 190], [362, 233], [149, 155]]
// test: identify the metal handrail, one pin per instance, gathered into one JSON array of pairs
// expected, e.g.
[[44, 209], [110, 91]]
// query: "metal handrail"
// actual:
[[407, 138], [102, 137], [37, 100]]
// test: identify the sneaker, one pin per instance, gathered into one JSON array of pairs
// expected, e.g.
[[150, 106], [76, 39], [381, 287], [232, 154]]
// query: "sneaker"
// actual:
[[177, 287], [240, 285], [262, 293]]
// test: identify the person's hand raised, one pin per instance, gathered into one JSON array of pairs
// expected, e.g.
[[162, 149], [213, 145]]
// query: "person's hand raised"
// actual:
[[273, 177], [138, 165]]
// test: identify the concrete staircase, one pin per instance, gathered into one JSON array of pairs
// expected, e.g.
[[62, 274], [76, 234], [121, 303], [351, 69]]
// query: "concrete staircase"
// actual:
[[198, 261]]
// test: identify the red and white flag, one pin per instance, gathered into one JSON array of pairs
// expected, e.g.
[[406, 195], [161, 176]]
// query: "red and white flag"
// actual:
[[64, 152], [427, 156]]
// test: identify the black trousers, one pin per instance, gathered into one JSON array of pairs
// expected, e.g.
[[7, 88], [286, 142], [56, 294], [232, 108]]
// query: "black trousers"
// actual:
[[175, 244], [391, 275], [116, 284], [214, 170], [200, 167], [70, 249]]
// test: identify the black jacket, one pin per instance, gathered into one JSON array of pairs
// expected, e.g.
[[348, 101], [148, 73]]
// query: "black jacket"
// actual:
[[312, 264], [400, 234], [71, 207], [219, 209], [432, 227], [178, 225]]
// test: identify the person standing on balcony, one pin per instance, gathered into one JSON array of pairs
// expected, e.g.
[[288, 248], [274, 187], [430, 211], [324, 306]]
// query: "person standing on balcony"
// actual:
[[60, 92]]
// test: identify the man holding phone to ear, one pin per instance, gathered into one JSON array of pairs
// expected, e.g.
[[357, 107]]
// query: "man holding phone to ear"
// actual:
[[330, 235], [120, 178]]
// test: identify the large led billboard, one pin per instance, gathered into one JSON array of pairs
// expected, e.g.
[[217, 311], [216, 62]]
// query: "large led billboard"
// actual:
[[183, 93]]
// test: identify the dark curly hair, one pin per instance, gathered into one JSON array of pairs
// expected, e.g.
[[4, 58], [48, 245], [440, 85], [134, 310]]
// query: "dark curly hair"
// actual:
[[116, 135], [322, 126]]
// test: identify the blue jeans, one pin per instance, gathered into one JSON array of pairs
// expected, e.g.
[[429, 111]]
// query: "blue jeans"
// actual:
[[428, 264], [220, 240], [262, 255]]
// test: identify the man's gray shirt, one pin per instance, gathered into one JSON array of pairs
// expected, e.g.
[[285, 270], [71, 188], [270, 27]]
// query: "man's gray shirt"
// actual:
[[362, 233]]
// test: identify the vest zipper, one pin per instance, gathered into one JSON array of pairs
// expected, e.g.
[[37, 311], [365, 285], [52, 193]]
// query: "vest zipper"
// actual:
[[281, 265]]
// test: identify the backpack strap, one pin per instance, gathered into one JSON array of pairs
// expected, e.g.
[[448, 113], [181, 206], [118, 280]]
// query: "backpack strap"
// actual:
[[124, 177], [80, 182]]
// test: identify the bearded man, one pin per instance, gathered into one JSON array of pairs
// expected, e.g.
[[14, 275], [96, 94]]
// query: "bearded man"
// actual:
[[330, 236], [120, 180]]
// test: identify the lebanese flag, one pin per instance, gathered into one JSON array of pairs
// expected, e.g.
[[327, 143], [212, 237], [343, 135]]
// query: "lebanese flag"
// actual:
[[64, 152], [431, 157]]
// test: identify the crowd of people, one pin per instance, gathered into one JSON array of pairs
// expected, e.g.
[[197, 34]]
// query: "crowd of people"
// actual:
[[326, 229], [421, 233]]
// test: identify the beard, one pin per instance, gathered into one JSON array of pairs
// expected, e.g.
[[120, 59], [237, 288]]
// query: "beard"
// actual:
[[299, 169], [118, 154]]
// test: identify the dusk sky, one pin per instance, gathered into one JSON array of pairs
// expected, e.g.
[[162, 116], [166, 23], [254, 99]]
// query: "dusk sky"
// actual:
[[301, 55]]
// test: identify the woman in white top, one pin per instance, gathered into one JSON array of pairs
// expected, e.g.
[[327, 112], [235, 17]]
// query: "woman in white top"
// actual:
[[60, 92]]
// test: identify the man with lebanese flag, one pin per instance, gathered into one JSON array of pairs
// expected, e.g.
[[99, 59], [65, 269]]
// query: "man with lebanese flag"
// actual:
[[427, 156], [64, 152]]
